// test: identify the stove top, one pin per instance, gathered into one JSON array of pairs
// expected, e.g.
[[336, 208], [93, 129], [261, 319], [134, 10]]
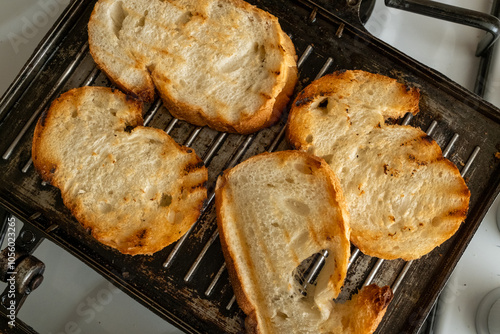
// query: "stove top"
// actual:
[[82, 301]]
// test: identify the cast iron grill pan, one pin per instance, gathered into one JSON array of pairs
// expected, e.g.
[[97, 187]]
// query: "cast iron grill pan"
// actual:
[[186, 283]]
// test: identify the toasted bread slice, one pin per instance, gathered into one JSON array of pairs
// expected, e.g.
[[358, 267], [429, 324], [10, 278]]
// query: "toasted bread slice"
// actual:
[[133, 187], [221, 63], [404, 197], [274, 211]]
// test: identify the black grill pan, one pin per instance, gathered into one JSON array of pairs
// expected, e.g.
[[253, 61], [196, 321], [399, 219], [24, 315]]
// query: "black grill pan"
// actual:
[[186, 283]]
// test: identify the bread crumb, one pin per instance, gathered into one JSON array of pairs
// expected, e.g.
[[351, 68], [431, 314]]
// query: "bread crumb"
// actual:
[[497, 155]]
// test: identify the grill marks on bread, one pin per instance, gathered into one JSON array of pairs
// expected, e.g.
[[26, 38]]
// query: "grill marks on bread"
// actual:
[[403, 196], [133, 187], [274, 211], [221, 63]]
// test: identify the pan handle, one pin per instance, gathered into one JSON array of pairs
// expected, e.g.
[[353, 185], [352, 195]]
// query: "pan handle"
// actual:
[[486, 22]]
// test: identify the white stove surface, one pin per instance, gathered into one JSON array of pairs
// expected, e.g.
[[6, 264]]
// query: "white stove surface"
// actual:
[[74, 299]]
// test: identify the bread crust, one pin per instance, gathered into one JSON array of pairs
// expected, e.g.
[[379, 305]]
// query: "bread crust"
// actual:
[[273, 101], [119, 227], [221, 195], [394, 157], [364, 312]]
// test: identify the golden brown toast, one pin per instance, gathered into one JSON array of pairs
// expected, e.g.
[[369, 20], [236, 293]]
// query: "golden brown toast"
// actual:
[[403, 196], [221, 63], [133, 187]]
